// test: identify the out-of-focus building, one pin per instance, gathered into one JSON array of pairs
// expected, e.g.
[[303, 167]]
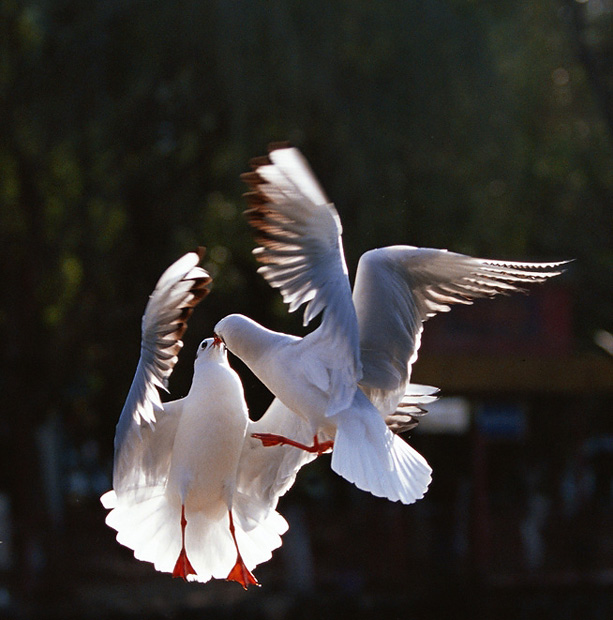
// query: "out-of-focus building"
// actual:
[[523, 452]]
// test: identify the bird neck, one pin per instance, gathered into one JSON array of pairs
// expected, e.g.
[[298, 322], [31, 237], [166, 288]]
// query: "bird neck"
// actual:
[[249, 341]]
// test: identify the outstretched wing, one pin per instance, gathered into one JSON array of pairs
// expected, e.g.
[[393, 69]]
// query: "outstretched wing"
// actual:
[[397, 288], [146, 427], [300, 247], [266, 473]]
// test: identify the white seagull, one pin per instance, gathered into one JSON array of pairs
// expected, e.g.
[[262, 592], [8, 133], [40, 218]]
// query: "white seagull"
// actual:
[[193, 493], [350, 374]]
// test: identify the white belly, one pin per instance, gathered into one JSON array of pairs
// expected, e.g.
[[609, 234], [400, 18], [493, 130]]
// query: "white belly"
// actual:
[[206, 451]]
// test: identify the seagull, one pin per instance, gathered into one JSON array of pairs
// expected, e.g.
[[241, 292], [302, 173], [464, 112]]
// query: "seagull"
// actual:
[[192, 492], [350, 375]]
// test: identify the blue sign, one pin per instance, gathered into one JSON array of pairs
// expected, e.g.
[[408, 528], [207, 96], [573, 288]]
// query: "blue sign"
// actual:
[[502, 421]]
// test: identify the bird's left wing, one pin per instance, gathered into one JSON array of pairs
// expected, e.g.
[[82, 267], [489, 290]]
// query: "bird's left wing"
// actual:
[[146, 427], [300, 247], [266, 473], [398, 287]]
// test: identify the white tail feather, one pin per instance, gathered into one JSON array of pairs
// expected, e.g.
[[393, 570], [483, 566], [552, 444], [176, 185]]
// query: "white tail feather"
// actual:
[[257, 544], [209, 546], [375, 460], [152, 529]]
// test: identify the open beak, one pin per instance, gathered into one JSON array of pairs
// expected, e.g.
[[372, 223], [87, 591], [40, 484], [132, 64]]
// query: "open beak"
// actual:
[[217, 341]]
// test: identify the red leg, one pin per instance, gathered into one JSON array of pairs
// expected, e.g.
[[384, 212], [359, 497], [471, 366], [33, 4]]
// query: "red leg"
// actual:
[[270, 439], [240, 572], [183, 567]]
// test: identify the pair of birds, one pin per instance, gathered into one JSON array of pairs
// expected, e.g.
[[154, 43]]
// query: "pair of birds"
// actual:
[[196, 483]]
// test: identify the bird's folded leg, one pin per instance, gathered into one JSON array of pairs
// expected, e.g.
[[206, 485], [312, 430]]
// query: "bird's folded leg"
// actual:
[[270, 439], [240, 572], [183, 566]]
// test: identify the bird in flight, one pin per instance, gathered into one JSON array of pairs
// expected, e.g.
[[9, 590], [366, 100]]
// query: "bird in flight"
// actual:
[[350, 375]]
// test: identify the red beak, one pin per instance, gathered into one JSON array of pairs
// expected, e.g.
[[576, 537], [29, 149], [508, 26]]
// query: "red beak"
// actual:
[[217, 341]]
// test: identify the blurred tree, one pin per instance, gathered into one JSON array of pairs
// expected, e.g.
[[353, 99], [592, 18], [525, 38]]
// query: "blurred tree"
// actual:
[[590, 25]]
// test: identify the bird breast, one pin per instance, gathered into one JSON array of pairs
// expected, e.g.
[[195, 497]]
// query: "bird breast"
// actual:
[[208, 442]]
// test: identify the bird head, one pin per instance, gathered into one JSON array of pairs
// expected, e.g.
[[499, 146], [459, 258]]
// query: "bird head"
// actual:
[[243, 337], [212, 349]]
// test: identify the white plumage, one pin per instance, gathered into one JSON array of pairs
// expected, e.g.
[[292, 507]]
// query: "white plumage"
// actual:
[[192, 492], [353, 372]]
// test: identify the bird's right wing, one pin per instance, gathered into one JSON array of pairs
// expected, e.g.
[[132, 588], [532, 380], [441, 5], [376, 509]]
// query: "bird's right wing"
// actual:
[[146, 427], [397, 288], [266, 473], [300, 247]]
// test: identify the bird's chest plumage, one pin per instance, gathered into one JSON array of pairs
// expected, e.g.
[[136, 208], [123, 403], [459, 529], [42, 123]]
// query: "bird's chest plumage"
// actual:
[[208, 444], [298, 379]]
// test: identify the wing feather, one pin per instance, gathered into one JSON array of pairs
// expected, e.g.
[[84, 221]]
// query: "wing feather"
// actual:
[[139, 460], [266, 473], [397, 288], [298, 230]]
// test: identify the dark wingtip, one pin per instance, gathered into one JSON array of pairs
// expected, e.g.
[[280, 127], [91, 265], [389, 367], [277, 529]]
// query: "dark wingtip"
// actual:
[[278, 146], [255, 199], [256, 162], [251, 179], [264, 160]]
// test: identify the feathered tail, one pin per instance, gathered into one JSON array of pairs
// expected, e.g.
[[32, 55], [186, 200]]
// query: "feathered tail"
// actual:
[[152, 529], [368, 454]]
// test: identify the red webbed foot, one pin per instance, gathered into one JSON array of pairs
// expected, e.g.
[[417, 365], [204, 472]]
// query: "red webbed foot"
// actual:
[[241, 574], [183, 567], [270, 439]]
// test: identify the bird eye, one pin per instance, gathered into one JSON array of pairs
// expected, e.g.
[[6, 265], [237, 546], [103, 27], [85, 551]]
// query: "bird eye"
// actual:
[[203, 345]]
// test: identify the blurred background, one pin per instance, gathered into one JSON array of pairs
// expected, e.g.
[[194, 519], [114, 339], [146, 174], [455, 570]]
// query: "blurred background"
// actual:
[[482, 126]]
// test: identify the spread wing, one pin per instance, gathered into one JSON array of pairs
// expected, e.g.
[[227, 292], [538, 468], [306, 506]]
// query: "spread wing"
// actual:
[[266, 473], [300, 247], [397, 288], [146, 427]]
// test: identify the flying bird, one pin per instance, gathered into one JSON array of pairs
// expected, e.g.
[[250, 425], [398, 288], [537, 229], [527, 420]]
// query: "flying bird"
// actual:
[[193, 493], [351, 374]]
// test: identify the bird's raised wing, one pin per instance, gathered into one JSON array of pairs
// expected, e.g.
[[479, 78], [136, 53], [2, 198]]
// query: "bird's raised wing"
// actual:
[[146, 427], [266, 473], [398, 287], [298, 230], [300, 247]]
